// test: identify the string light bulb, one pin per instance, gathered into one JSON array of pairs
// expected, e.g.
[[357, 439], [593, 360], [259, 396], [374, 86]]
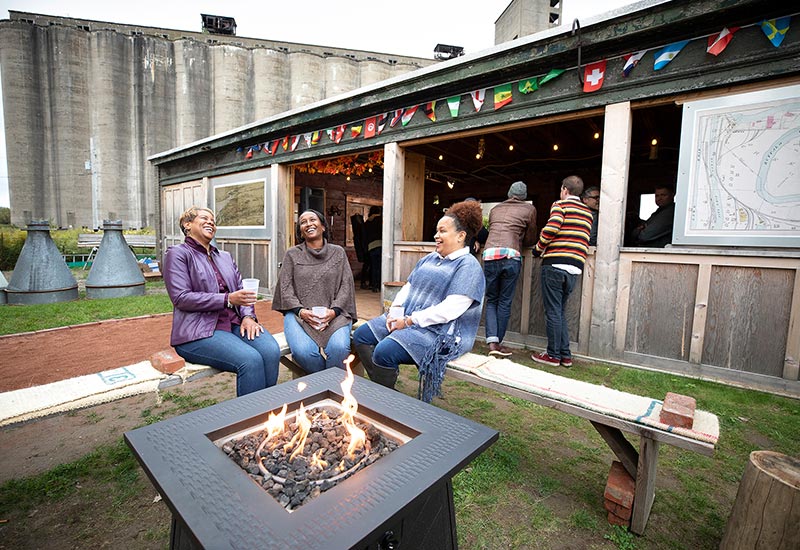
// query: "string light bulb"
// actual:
[[481, 149], [555, 147], [511, 147], [654, 142], [441, 157], [450, 184], [597, 135]]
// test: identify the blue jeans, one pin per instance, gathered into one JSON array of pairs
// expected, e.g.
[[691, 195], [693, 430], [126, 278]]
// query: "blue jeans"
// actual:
[[255, 362], [306, 352], [388, 353], [557, 285], [501, 282]]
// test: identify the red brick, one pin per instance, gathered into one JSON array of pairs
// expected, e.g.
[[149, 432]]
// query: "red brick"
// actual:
[[167, 361], [615, 520], [621, 487], [617, 510], [678, 410]]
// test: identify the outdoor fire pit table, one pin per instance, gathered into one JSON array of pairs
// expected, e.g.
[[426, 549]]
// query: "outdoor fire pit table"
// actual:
[[402, 500]]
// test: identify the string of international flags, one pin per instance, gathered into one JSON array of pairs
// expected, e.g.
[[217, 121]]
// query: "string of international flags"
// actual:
[[593, 77]]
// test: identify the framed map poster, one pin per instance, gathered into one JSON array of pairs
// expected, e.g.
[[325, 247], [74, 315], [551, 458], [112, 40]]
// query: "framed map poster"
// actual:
[[739, 170]]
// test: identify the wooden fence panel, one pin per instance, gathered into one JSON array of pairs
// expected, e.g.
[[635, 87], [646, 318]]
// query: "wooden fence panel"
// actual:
[[661, 309], [747, 318]]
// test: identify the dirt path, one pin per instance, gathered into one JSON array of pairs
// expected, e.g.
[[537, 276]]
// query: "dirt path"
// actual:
[[45, 356]]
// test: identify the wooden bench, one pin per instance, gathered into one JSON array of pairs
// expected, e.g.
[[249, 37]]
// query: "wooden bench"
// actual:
[[93, 240], [641, 464], [196, 372]]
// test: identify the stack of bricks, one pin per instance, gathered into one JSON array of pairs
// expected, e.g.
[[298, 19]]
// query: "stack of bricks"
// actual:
[[618, 497]]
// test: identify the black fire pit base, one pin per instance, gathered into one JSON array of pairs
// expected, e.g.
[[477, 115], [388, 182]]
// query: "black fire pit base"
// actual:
[[428, 523], [404, 500]]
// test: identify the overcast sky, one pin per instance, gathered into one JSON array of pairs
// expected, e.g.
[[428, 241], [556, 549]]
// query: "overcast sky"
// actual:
[[407, 27]]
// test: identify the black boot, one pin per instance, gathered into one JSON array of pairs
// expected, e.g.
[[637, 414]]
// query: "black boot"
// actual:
[[379, 375]]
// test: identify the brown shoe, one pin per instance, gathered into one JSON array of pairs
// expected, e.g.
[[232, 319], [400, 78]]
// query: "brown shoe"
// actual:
[[497, 350]]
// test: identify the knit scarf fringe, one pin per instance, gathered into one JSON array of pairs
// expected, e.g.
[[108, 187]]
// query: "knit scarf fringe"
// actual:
[[433, 365]]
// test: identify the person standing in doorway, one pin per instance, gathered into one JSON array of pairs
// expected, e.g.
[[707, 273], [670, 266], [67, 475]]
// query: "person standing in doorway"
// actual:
[[373, 235], [563, 245], [591, 198], [512, 226]]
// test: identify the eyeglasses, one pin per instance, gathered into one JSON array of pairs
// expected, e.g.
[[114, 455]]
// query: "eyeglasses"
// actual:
[[595, 197]]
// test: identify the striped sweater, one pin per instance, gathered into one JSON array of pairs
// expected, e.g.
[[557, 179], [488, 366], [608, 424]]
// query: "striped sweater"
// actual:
[[565, 238]]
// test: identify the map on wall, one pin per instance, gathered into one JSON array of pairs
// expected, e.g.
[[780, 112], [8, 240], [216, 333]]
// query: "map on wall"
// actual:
[[739, 176], [240, 204]]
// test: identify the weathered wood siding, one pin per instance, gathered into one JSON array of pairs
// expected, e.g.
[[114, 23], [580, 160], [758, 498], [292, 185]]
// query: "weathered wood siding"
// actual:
[[661, 309], [747, 320]]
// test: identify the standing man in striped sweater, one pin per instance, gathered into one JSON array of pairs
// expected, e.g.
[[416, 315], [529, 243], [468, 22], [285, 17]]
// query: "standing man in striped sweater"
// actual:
[[563, 244]]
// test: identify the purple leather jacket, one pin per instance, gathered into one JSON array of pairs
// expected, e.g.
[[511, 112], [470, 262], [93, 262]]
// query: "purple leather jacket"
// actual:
[[192, 286]]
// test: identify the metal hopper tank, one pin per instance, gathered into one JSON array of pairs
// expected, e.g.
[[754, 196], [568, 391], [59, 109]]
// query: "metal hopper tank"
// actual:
[[115, 272], [41, 275]]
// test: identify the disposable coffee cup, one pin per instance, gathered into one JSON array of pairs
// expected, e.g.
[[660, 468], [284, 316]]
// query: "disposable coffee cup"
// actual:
[[250, 284], [397, 312], [319, 311]]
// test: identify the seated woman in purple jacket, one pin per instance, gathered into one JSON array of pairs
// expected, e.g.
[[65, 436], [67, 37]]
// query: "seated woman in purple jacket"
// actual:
[[214, 322]]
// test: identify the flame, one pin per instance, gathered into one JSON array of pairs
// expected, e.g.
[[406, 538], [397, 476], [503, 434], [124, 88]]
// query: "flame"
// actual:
[[349, 409], [316, 460], [299, 439], [275, 422]]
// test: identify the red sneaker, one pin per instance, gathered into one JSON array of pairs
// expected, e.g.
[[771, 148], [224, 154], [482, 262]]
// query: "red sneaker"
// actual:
[[566, 362], [545, 359]]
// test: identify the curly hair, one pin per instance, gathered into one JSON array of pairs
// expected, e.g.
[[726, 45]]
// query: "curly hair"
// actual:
[[467, 216]]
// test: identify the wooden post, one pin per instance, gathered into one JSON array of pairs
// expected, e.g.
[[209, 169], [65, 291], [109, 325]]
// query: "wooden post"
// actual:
[[766, 513]]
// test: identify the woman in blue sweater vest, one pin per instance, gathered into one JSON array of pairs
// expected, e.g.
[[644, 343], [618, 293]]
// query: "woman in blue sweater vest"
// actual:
[[442, 304]]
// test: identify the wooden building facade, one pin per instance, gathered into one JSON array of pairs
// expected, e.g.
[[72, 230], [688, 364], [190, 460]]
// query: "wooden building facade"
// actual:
[[722, 302]]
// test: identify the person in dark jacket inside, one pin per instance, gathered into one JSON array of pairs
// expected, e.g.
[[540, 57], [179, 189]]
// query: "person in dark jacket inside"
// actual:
[[214, 320], [373, 236]]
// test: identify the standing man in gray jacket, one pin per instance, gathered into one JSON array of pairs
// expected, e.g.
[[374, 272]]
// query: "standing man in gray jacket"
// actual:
[[512, 226]]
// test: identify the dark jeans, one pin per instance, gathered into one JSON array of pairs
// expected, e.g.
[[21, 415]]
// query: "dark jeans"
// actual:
[[375, 267], [388, 353], [501, 282], [557, 285]]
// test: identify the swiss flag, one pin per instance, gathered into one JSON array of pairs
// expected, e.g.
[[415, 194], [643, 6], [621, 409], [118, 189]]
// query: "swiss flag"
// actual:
[[593, 75], [370, 127]]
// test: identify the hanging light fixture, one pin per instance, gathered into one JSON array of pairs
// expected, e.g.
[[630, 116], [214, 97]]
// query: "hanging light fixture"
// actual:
[[653, 149], [481, 149], [450, 184]]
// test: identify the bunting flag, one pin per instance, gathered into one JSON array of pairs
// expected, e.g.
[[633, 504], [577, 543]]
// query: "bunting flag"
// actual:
[[249, 153], [382, 122], [295, 141], [631, 60], [775, 29], [265, 148], [453, 103], [307, 139], [502, 96], [396, 115], [273, 148], [593, 76], [554, 73], [285, 143], [315, 137], [718, 42], [667, 54], [336, 134], [528, 85], [430, 110], [408, 113], [370, 127], [477, 98], [355, 130]]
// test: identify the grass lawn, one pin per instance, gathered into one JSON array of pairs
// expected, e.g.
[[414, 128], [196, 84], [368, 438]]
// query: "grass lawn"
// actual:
[[539, 486]]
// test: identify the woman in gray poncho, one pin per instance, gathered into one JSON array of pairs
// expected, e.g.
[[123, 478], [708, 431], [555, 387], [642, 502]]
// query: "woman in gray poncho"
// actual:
[[316, 274], [442, 302]]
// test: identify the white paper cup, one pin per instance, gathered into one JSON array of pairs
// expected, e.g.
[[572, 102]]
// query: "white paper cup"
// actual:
[[319, 311], [250, 284], [397, 312]]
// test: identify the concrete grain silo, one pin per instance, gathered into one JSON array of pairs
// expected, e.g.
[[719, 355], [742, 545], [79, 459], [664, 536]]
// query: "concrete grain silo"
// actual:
[[193, 95], [308, 84], [341, 75], [271, 73], [374, 70]]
